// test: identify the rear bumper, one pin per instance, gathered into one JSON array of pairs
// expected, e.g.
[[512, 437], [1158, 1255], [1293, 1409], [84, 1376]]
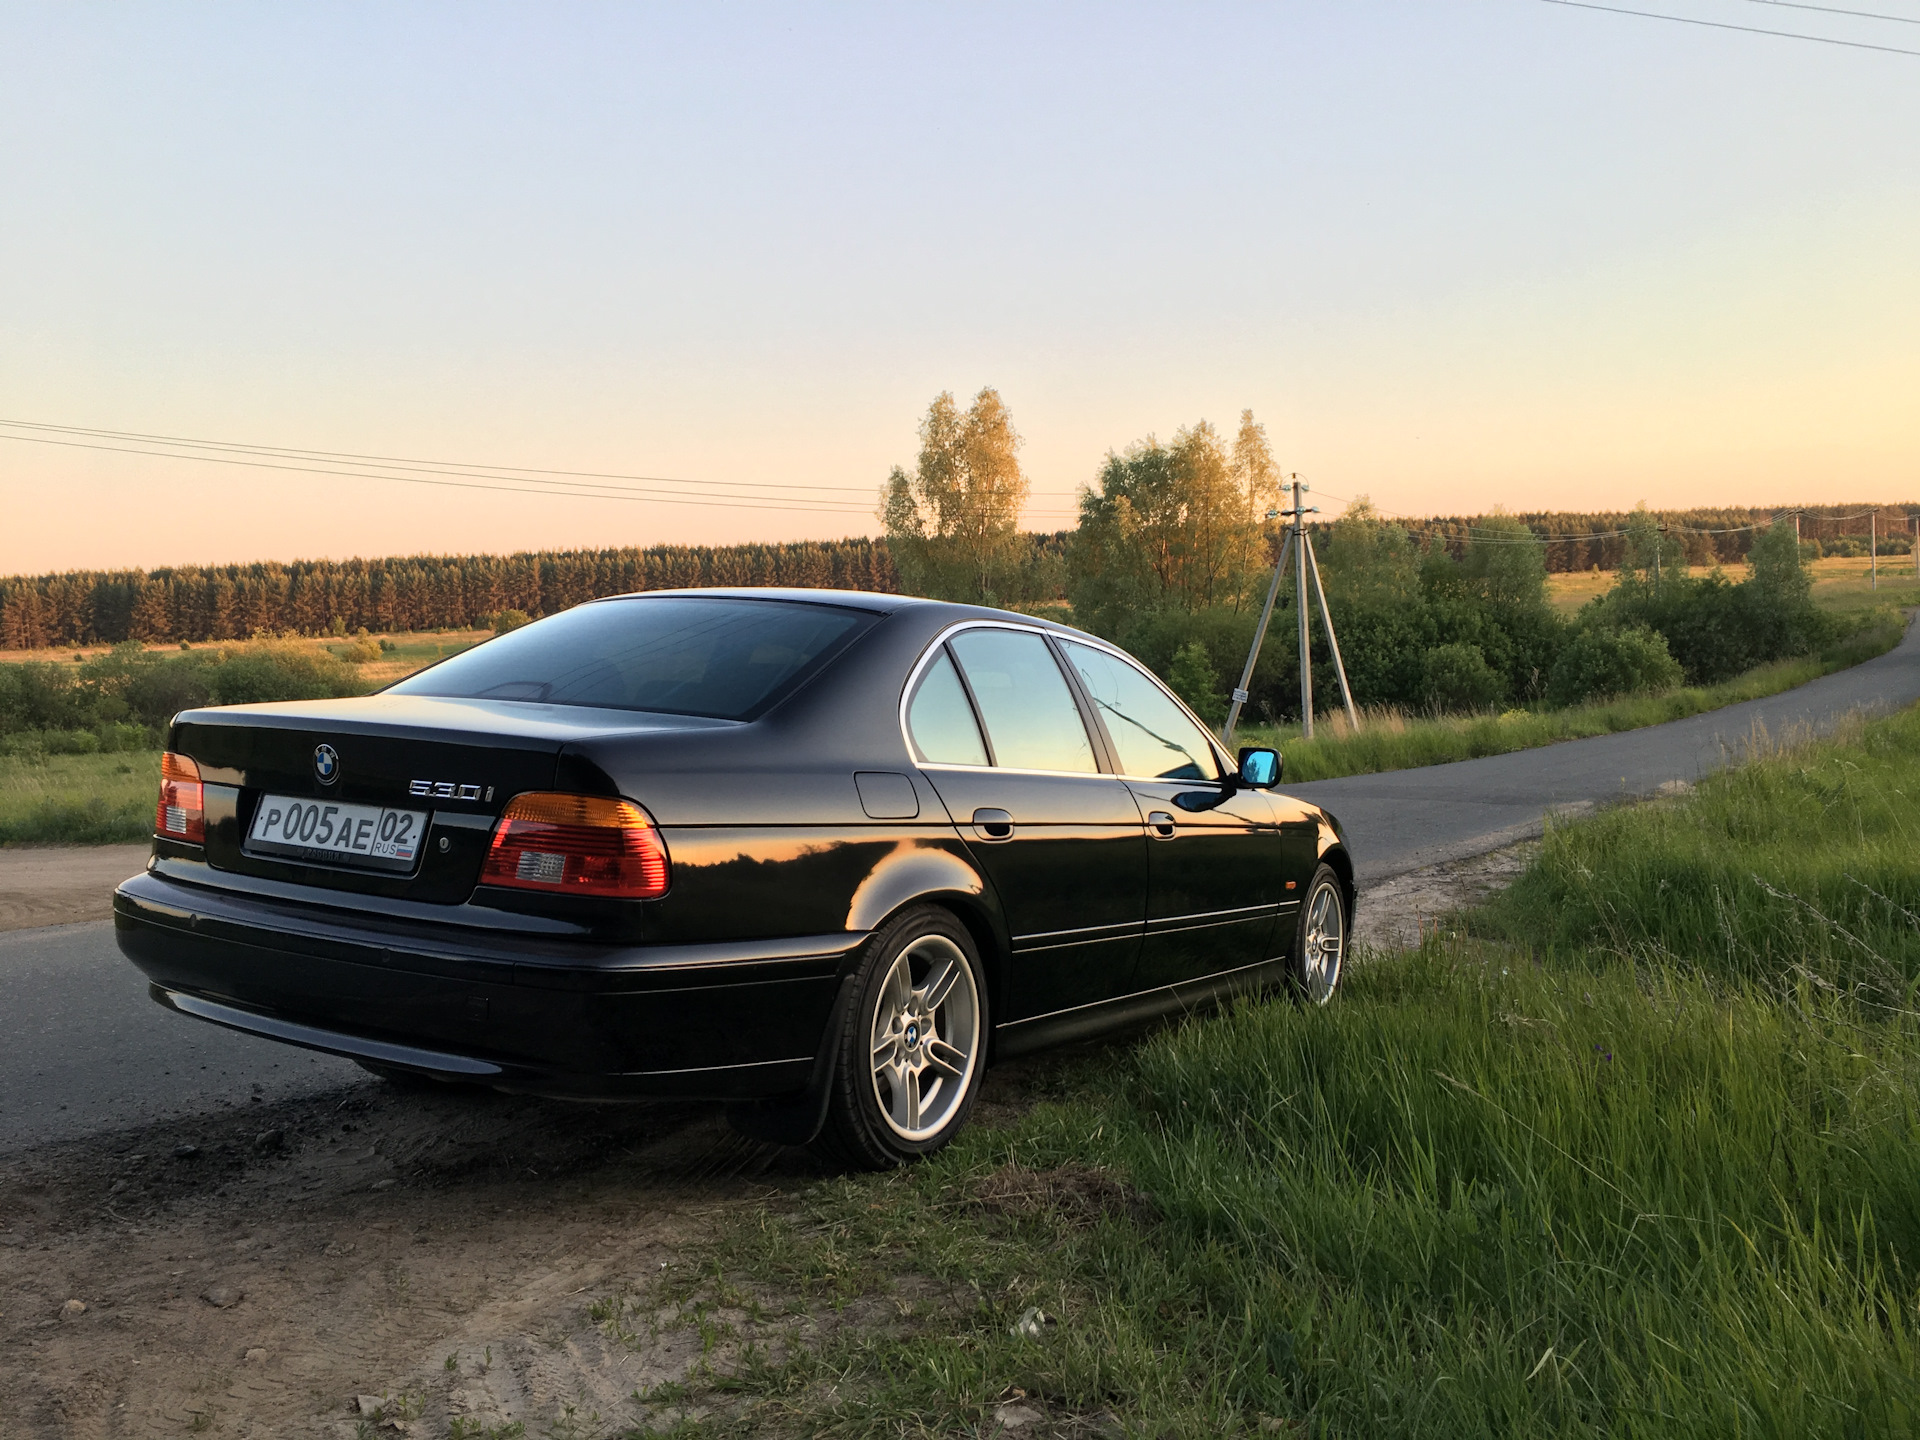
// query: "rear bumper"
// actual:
[[522, 1013]]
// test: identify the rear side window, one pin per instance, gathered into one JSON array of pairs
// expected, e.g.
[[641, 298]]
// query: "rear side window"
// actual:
[[940, 719], [1030, 714], [680, 655], [1154, 737]]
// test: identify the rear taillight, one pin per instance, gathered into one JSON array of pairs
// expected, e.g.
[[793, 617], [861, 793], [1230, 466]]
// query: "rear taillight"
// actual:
[[577, 845], [182, 812]]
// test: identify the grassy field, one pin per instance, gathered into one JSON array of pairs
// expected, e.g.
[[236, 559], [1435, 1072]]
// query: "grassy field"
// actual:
[[410, 650], [77, 799], [101, 799], [1839, 583], [1557, 1181], [1390, 740]]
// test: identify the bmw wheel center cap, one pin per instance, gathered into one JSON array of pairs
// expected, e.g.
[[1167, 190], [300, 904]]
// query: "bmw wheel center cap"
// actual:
[[326, 764]]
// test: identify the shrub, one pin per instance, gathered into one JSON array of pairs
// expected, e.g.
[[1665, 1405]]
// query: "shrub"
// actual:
[[363, 649], [114, 701], [1601, 664], [1193, 678], [1457, 677], [506, 620], [279, 670], [39, 695]]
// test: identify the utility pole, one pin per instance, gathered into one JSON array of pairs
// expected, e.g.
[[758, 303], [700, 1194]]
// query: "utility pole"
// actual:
[[1300, 602], [1873, 545], [1299, 547]]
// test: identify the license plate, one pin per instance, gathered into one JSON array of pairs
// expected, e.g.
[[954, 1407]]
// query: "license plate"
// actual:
[[374, 836]]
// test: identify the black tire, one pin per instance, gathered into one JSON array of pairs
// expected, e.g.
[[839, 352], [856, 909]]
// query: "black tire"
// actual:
[[1314, 967], [884, 1112]]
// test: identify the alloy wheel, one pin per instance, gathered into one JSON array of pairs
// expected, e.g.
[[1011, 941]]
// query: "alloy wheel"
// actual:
[[925, 1040], [1325, 943]]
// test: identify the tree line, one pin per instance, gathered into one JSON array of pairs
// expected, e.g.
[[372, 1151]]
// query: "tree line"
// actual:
[[1596, 540], [1167, 530], [416, 592]]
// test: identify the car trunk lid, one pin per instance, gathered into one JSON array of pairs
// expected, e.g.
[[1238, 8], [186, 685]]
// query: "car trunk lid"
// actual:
[[445, 766]]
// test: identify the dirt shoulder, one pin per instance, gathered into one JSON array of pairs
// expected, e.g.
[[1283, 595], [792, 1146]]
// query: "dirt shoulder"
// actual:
[[253, 1275], [1397, 914], [63, 884]]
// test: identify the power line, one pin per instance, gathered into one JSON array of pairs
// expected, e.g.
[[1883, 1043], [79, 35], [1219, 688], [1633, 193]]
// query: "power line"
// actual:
[[346, 473], [1482, 535], [524, 480], [453, 466], [469, 468], [1836, 10], [1724, 25]]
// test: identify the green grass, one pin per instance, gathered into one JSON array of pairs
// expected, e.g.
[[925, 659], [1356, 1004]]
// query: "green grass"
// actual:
[[1845, 585], [77, 799], [1391, 741], [1560, 1183], [54, 788], [1798, 867]]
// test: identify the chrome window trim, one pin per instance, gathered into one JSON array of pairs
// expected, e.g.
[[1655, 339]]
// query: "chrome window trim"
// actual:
[[1079, 637], [1220, 756], [927, 656], [1015, 770]]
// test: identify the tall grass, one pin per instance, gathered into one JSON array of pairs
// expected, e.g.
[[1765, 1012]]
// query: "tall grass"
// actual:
[[1389, 739], [1638, 1182], [1798, 866], [1466, 1200], [86, 799]]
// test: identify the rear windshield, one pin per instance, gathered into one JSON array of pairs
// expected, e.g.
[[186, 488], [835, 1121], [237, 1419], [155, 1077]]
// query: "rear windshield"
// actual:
[[726, 658]]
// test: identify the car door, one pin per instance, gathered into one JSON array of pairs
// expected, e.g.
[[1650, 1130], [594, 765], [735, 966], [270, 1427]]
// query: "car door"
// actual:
[[1215, 861], [1002, 738]]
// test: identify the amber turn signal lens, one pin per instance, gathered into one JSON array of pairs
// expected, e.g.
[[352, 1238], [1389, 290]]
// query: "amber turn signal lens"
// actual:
[[577, 845], [182, 812]]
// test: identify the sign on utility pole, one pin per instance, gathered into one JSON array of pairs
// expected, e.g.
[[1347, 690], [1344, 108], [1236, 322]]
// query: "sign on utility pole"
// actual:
[[1299, 547]]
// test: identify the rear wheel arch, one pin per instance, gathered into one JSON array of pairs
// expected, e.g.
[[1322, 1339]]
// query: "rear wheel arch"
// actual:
[[929, 1035], [971, 912]]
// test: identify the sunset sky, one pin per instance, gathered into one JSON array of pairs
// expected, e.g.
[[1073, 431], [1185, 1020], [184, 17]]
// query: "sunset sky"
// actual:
[[1455, 255]]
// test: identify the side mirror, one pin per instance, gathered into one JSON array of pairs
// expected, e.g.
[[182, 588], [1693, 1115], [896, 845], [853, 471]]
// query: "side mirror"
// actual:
[[1259, 767]]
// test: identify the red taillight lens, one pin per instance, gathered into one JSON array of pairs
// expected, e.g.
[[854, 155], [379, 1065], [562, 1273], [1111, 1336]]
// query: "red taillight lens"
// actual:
[[577, 845], [182, 812]]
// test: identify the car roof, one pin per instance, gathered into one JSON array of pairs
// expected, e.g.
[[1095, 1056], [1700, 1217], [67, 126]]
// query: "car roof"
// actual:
[[850, 599]]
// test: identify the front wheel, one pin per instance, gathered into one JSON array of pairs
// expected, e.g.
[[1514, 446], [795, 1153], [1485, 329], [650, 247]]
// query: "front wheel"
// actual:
[[913, 1046], [1320, 942]]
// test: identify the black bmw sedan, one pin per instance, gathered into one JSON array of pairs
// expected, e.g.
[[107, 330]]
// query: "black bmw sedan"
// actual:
[[819, 853]]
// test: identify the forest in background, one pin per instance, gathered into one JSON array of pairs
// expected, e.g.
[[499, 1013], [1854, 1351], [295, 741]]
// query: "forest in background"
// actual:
[[450, 592]]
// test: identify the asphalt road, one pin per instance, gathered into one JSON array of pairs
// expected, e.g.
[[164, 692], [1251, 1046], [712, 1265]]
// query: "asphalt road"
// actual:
[[1405, 819], [84, 1051]]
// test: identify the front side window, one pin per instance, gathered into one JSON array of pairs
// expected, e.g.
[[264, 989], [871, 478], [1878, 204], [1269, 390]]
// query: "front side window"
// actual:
[[1031, 718], [1154, 736], [940, 719], [679, 655]]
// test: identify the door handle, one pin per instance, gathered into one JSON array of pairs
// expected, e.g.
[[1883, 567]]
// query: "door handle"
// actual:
[[1162, 824], [991, 824]]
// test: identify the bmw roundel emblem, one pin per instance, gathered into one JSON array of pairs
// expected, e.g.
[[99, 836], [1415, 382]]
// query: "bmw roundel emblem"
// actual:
[[326, 764]]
